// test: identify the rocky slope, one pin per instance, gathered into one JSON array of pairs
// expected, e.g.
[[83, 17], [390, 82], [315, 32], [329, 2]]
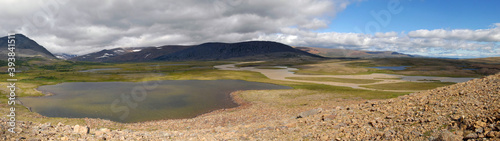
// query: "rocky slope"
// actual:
[[469, 110]]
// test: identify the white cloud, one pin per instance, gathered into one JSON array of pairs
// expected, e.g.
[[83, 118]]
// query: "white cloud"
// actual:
[[480, 35], [315, 24], [387, 34], [83, 26], [468, 45], [94, 24]]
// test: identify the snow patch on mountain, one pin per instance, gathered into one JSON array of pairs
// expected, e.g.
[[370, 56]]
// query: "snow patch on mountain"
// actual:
[[119, 51], [106, 55]]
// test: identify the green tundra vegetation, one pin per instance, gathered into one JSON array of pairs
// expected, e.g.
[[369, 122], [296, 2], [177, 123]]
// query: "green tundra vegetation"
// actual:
[[408, 85], [331, 79], [418, 67], [36, 72]]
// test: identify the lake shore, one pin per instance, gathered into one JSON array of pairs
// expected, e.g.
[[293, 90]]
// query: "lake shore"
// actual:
[[168, 99]]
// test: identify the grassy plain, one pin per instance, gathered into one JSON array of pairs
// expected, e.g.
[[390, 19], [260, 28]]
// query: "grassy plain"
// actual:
[[332, 79], [418, 67], [408, 85], [38, 72]]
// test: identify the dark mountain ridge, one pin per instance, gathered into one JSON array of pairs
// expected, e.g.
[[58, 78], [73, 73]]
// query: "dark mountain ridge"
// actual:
[[25, 47], [252, 50]]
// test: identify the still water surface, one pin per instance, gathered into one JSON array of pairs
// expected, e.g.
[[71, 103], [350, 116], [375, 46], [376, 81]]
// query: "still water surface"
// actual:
[[170, 99]]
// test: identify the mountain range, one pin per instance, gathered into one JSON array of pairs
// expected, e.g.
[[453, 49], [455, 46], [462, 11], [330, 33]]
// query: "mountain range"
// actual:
[[252, 50], [334, 53], [241, 51]]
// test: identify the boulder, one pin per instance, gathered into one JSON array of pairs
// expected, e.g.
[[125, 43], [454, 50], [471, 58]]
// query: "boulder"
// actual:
[[471, 136], [448, 136], [81, 129], [309, 113]]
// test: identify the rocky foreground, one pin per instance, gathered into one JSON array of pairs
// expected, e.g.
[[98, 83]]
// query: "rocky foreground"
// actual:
[[465, 111]]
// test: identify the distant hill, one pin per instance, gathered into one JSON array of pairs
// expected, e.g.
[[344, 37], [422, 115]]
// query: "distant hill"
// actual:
[[488, 60], [105, 55], [253, 50], [328, 52], [25, 47]]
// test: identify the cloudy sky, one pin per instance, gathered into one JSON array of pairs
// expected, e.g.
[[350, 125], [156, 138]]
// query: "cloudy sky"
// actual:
[[439, 28]]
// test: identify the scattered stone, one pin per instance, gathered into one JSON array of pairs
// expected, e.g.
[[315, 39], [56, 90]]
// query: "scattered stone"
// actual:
[[455, 117], [329, 117], [479, 130], [471, 136], [81, 129], [310, 112], [448, 136], [105, 130], [390, 117], [480, 124], [497, 134]]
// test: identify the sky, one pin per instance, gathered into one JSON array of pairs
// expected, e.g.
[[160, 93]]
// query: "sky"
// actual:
[[435, 28]]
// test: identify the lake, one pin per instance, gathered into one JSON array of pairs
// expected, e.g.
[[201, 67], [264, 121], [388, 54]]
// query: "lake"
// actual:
[[139, 101], [103, 69]]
